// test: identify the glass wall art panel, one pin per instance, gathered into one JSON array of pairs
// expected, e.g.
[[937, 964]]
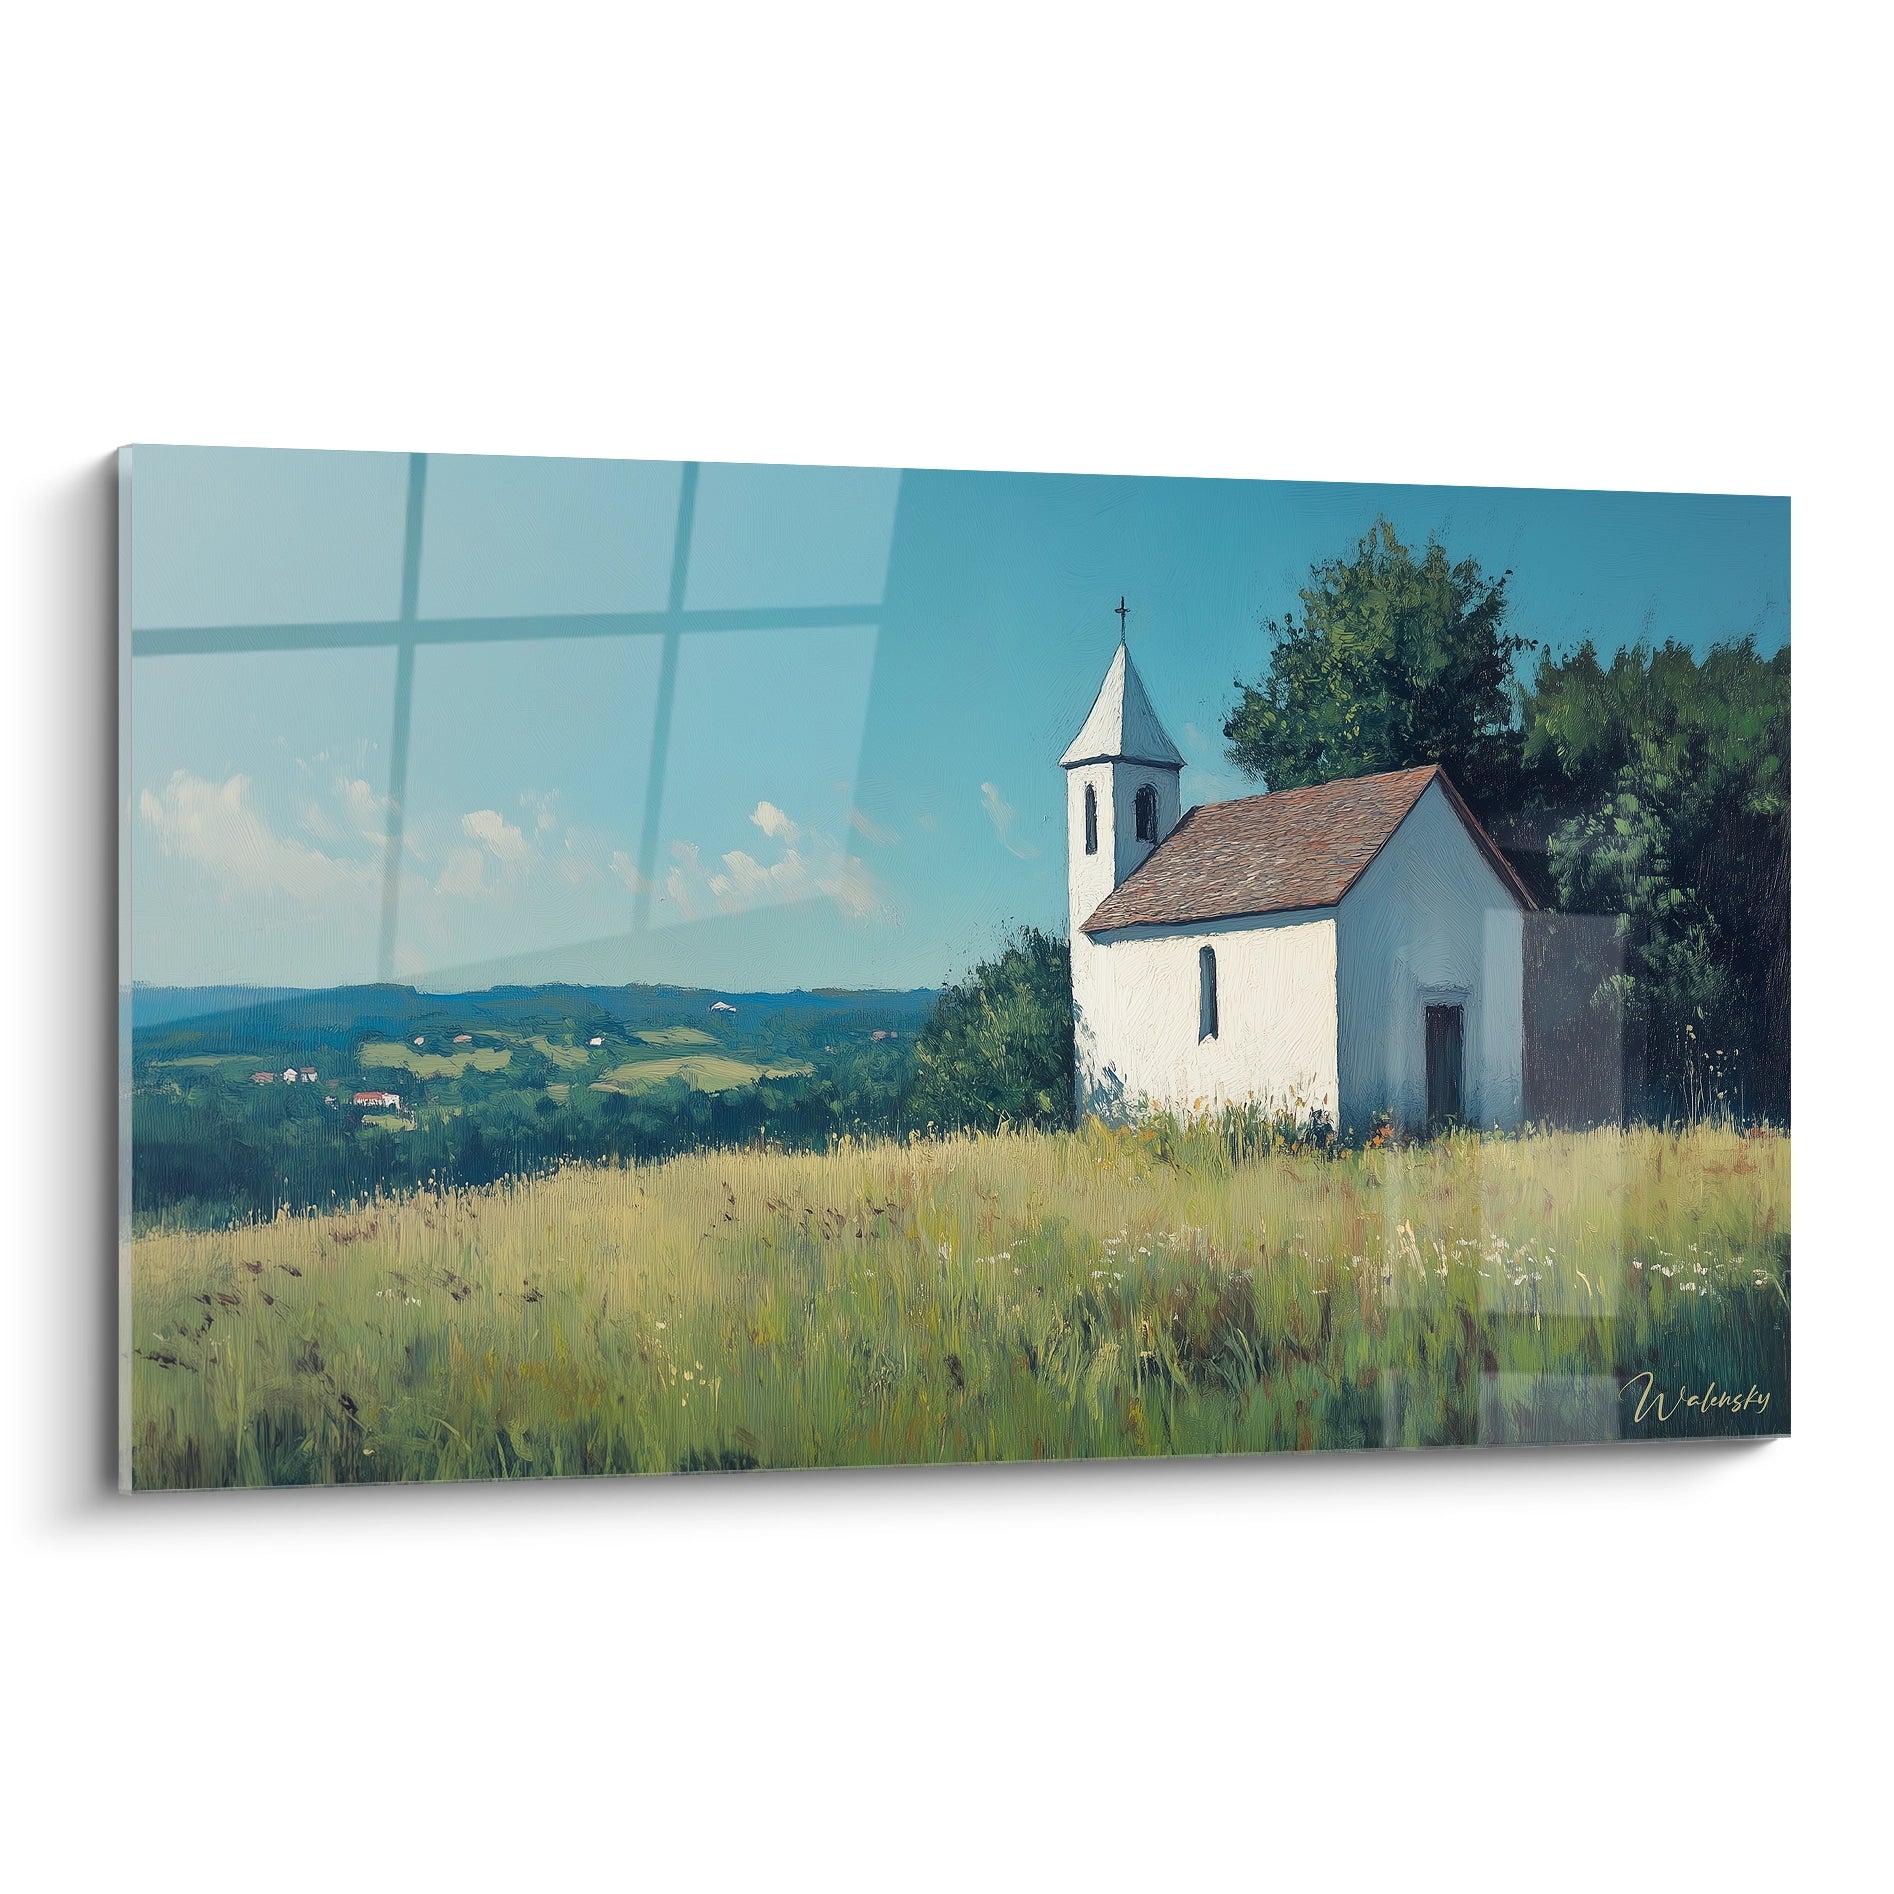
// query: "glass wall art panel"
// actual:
[[657, 967]]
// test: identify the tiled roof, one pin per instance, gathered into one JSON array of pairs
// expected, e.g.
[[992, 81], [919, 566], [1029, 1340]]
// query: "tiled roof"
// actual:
[[1294, 848]]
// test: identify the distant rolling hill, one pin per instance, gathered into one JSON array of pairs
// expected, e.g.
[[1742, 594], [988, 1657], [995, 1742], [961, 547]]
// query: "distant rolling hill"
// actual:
[[167, 1005], [241, 1017]]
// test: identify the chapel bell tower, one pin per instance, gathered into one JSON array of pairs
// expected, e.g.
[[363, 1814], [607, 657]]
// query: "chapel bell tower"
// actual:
[[1123, 787]]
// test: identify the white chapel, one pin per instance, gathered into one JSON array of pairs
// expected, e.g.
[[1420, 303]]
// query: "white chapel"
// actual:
[[1350, 948]]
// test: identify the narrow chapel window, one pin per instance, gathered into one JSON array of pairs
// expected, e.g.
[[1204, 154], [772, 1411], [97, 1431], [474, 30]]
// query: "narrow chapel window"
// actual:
[[1091, 820], [1206, 992], [1147, 814]]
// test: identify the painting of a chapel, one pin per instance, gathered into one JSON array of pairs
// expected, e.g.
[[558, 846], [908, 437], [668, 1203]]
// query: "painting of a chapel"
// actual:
[[1351, 949]]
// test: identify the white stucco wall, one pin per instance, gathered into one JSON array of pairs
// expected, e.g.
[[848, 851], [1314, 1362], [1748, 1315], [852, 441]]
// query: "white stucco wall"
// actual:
[[1135, 997], [1090, 878], [1429, 923]]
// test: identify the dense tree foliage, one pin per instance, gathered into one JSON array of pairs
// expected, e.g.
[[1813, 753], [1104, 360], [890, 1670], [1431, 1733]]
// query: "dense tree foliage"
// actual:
[[1395, 660], [211, 1152], [998, 1047], [1663, 784], [1654, 789]]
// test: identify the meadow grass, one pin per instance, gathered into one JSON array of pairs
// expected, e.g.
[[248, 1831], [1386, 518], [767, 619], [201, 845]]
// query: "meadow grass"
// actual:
[[1021, 1296]]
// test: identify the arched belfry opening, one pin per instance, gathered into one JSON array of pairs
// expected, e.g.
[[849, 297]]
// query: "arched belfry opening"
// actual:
[[1146, 807]]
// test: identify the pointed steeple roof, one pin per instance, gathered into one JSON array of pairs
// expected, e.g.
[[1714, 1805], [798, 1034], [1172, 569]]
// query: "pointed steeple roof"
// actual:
[[1123, 728]]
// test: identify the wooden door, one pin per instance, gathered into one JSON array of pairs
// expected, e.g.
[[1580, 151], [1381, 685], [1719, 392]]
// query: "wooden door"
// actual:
[[1446, 1059]]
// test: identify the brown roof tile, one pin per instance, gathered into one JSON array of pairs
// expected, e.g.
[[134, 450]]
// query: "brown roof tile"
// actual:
[[1294, 848]]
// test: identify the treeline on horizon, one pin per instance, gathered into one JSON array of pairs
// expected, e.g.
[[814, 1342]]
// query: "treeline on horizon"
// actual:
[[209, 1156]]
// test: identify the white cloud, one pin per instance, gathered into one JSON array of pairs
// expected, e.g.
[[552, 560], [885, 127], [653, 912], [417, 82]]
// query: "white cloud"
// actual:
[[218, 827], [746, 877], [799, 875], [315, 819], [857, 892], [774, 823], [871, 830], [366, 811], [811, 866], [497, 835], [1000, 814], [465, 873], [685, 874]]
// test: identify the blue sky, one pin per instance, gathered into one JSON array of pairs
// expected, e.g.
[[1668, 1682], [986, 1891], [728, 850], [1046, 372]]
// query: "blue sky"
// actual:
[[873, 675]]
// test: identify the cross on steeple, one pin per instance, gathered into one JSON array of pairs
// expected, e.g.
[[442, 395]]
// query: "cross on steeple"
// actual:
[[1124, 612]]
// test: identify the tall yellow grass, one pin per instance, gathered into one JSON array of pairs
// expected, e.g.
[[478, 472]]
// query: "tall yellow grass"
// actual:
[[976, 1298]]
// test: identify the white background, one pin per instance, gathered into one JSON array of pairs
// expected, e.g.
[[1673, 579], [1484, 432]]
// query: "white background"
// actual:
[[1600, 245]]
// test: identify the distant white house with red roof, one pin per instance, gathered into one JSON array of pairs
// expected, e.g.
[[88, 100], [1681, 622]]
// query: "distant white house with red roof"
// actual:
[[379, 1101], [1351, 948]]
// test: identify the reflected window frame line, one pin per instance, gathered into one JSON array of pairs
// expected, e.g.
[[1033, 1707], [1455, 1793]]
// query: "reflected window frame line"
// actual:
[[408, 631], [667, 698], [197, 641], [403, 718]]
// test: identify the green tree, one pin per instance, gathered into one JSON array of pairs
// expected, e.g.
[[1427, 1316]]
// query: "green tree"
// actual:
[[1662, 783], [1395, 661], [997, 1047]]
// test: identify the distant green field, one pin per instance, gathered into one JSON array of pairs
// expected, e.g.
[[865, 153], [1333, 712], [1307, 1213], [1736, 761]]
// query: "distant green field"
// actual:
[[386, 1120], [678, 1036], [703, 1072], [207, 1059], [435, 1065], [567, 1056]]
